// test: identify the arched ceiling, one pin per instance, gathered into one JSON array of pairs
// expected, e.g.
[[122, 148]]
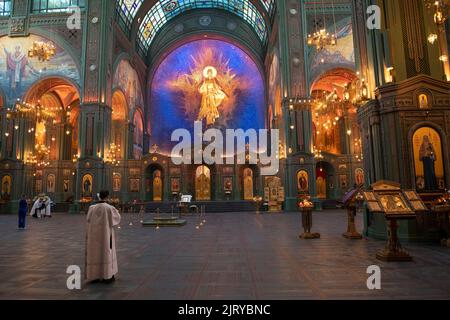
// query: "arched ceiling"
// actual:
[[256, 13]]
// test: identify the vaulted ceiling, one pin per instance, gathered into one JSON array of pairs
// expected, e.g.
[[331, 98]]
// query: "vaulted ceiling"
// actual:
[[147, 18]]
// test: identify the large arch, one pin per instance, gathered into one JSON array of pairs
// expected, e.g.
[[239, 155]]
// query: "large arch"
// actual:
[[176, 101], [120, 118], [56, 103], [335, 125]]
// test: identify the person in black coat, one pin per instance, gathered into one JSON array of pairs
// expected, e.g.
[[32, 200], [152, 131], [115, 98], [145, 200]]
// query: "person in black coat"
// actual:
[[23, 210]]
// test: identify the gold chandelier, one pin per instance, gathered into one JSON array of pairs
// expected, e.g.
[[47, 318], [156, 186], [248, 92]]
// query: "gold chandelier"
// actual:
[[441, 10], [38, 157], [321, 38], [357, 91], [33, 112], [112, 157], [44, 51]]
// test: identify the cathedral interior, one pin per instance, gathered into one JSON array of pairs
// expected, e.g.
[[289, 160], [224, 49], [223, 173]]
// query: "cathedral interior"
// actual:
[[91, 92], [89, 97]]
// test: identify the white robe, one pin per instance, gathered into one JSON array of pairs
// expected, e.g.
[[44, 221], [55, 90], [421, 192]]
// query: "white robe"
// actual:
[[38, 204], [101, 257]]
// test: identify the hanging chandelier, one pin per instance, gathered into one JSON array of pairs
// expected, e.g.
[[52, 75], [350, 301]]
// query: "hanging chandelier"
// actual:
[[39, 156], [321, 38], [37, 112], [44, 51], [441, 10], [112, 157], [356, 92]]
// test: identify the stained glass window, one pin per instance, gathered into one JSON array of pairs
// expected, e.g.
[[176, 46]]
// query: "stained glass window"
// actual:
[[269, 5], [165, 10], [5, 7], [126, 10], [43, 6]]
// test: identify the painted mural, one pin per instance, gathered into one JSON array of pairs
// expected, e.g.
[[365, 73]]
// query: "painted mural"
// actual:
[[18, 71], [126, 78], [340, 56], [206, 80], [428, 159], [275, 96]]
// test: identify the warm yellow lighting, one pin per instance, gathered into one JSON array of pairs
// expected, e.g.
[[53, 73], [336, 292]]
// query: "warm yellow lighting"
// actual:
[[443, 58], [42, 50], [432, 38]]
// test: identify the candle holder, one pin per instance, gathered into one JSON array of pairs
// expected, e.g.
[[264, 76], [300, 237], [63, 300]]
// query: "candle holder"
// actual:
[[306, 208]]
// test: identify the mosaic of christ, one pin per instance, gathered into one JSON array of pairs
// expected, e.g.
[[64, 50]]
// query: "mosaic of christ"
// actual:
[[206, 80]]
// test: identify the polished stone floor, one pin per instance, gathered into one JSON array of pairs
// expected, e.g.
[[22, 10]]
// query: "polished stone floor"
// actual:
[[235, 256]]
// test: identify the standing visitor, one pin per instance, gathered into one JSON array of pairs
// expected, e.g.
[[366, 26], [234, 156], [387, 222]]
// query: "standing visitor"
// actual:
[[23, 210], [101, 257]]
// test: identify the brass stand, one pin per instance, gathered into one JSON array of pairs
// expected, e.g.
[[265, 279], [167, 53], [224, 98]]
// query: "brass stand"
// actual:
[[447, 243], [307, 225], [444, 210], [351, 233], [393, 251]]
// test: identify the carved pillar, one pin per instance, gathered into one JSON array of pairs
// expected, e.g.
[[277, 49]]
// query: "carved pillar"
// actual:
[[298, 120], [95, 111], [129, 143]]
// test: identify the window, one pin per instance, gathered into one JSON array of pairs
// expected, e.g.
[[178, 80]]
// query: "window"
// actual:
[[165, 10], [269, 5], [5, 7], [126, 11], [45, 6]]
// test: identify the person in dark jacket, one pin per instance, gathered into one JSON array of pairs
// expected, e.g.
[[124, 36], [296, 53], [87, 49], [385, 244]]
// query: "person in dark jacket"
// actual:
[[23, 210]]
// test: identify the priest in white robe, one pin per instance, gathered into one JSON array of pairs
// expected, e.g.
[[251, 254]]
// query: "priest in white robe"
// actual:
[[42, 207], [101, 256]]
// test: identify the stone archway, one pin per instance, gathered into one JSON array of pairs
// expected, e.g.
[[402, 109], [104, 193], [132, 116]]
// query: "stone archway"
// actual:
[[54, 108]]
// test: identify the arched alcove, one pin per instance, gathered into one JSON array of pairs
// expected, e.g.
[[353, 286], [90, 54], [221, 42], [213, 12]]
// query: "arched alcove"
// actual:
[[119, 125], [177, 99], [55, 104]]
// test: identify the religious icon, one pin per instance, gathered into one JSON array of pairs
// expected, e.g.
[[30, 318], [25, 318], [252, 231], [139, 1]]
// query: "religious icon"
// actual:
[[6, 187], [423, 101], [175, 185], [203, 184], [343, 181], [38, 186], [359, 177], [87, 184], [428, 159], [212, 96], [394, 203], [66, 184], [117, 182], [321, 186], [157, 186], [228, 184], [51, 183], [303, 182], [17, 62], [134, 185], [248, 184]]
